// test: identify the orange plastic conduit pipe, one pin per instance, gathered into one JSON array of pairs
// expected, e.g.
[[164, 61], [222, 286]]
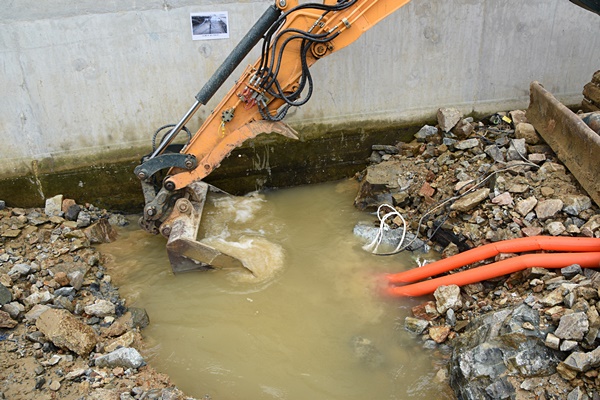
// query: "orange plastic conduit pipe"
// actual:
[[534, 243], [504, 267]]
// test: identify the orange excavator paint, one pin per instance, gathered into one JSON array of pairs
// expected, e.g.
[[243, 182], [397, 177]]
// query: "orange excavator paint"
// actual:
[[582, 251]]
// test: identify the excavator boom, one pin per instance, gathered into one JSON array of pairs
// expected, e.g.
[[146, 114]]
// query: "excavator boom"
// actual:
[[294, 36]]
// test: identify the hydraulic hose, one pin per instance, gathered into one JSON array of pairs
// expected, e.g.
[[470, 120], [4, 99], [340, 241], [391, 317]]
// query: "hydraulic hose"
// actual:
[[535, 243], [504, 267]]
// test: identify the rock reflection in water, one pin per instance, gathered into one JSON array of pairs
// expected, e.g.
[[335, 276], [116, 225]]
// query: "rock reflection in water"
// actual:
[[309, 325]]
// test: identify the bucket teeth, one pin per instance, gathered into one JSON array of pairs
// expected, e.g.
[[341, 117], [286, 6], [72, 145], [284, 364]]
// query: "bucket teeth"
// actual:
[[185, 252]]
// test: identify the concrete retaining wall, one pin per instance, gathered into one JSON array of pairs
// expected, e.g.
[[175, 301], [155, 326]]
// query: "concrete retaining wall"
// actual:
[[88, 80]]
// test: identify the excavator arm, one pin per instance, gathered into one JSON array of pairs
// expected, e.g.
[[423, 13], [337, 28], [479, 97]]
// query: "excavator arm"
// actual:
[[294, 36]]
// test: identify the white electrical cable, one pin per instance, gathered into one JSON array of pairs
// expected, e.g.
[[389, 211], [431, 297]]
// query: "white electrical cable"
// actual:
[[374, 245]]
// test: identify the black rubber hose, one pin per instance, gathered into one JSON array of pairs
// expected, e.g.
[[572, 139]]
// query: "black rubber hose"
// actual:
[[234, 59]]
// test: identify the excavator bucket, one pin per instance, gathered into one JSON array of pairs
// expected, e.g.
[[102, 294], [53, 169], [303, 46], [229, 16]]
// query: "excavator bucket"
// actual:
[[185, 252]]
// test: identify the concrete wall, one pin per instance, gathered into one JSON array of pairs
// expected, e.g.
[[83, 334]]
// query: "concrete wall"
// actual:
[[90, 79]]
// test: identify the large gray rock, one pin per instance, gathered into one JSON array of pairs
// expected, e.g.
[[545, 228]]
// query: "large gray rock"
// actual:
[[125, 357], [66, 331], [494, 347]]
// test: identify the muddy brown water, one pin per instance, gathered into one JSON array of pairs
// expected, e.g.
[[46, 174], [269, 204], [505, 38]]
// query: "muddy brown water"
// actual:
[[309, 324]]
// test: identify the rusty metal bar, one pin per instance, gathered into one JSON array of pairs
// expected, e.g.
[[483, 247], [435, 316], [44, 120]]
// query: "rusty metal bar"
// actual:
[[575, 144]]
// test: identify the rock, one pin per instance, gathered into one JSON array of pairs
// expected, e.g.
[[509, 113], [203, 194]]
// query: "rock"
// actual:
[[415, 325], [570, 271], [6, 320], [448, 297], [53, 205], [553, 298], [5, 295], [61, 278], [20, 269], [467, 144], [548, 208], [555, 228], [366, 352], [2, 205], [35, 312], [550, 167], [518, 116], [38, 298], [530, 231], [54, 385], [575, 204], [572, 326], [126, 357], [527, 132], [504, 199], [582, 362], [426, 311], [76, 279], [537, 158], [426, 190], [72, 212], [125, 340], [577, 394], [517, 151], [439, 333], [101, 232], [591, 226], [13, 309], [100, 308], [495, 153], [552, 341], [464, 128], [383, 148], [448, 118], [425, 132], [471, 200], [489, 349], [76, 373], [84, 219], [66, 204], [568, 345], [500, 389], [120, 220], [524, 321], [66, 331]]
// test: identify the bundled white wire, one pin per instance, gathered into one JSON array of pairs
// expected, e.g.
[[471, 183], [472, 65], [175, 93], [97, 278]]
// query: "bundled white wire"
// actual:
[[374, 245]]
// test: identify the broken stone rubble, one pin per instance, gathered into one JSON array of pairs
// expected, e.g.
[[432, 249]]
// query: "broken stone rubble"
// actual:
[[60, 313], [533, 334]]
